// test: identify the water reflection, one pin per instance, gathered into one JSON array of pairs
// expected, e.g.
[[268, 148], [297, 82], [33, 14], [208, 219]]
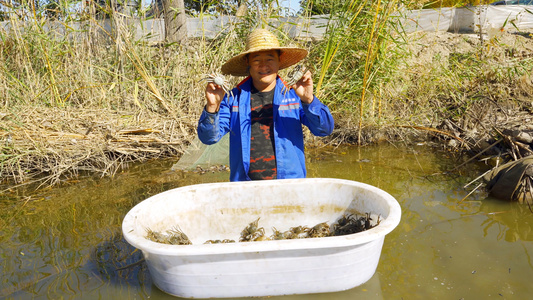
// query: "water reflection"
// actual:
[[66, 242], [514, 222]]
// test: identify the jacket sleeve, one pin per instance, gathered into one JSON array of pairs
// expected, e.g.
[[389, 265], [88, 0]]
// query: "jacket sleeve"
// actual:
[[212, 127], [318, 118]]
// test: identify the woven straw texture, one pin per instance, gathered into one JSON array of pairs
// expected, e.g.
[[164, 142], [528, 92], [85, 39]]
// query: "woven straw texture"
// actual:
[[261, 40]]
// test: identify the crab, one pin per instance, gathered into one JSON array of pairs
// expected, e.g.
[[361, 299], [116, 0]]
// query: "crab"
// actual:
[[295, 75], [155, 236], [252, 232], [277, 235], [225, 241], [177, 237], [344, 221], [220, 81], [349, 224], [319, 230], [298, 232], [173, 236]]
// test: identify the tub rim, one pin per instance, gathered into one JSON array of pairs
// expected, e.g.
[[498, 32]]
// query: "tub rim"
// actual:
[[385, 226]]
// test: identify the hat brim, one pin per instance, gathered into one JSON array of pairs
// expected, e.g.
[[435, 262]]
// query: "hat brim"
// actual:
[[289, 56]]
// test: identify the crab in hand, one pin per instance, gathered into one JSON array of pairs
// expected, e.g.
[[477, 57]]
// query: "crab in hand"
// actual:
[[219, 80], [295, 75]]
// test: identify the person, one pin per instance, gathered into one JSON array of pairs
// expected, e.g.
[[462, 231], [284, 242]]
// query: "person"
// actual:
[[262, 115]]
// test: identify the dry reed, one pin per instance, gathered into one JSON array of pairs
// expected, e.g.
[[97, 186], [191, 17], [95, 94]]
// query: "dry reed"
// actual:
[[53, 144]]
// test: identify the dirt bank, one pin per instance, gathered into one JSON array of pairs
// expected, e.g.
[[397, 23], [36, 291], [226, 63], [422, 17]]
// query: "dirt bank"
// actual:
[[495, 105], [460, 88]]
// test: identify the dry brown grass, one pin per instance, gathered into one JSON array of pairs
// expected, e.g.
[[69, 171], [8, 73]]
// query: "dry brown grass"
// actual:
[[95, 103], [48, 145]]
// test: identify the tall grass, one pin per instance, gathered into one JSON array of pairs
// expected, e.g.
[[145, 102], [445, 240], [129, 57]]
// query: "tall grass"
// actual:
[[367, 72], [90, 66], [79, 63], [87, 65], [363, 69], [356, 58], [80, 67], [454, 3]]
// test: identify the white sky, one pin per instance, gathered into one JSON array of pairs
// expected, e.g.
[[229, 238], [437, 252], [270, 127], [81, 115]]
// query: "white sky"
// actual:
[[291, 4]]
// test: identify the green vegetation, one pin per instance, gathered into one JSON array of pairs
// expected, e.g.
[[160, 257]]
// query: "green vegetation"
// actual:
[[90, 82], [454, 3]]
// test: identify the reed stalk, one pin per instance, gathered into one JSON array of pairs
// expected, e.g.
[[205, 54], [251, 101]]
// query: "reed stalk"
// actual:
[[354, 56]]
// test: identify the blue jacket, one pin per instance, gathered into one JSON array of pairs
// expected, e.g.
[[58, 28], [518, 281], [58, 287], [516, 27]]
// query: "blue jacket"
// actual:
[[234, 117]]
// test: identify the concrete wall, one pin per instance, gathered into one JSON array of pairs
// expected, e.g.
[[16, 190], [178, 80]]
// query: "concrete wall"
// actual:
[[458, 20], [469, 19], [153, 30]]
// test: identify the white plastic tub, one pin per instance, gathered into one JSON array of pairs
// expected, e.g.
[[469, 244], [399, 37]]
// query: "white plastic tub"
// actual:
[[243, 269]]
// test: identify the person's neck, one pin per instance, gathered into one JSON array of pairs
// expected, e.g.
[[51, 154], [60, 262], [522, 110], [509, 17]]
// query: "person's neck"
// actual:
[[261, 87]]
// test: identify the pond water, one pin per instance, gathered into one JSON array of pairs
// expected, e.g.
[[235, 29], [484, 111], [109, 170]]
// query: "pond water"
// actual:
[[66, 242]]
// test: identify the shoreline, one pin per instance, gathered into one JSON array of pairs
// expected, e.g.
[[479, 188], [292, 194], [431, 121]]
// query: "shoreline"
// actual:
[[60, 144]]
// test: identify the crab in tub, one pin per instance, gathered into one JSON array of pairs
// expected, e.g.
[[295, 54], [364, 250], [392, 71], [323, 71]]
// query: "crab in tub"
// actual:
[[201, 271], [253, 233]]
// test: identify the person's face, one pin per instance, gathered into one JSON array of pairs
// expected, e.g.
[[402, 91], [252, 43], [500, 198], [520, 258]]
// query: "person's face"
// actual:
[[264, 67]]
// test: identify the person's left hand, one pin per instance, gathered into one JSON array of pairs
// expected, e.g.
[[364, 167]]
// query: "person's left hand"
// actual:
[[304, 88]]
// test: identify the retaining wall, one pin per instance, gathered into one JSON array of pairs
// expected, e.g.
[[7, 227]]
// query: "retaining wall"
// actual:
[[469, 19], [458, 20]]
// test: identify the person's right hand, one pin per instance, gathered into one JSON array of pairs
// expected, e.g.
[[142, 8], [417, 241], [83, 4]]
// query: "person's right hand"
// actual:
[[214, 95]]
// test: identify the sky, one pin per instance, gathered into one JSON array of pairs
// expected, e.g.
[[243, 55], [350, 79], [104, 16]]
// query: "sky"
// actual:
[[291, 4]]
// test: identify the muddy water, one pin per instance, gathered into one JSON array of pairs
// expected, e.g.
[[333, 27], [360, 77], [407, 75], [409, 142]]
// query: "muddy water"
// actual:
[[66, 242]]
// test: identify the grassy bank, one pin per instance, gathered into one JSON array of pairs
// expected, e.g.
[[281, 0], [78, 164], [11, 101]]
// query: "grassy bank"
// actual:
[[92, 105]]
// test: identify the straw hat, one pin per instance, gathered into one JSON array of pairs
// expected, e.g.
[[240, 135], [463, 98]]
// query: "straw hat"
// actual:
[[261, 40]]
